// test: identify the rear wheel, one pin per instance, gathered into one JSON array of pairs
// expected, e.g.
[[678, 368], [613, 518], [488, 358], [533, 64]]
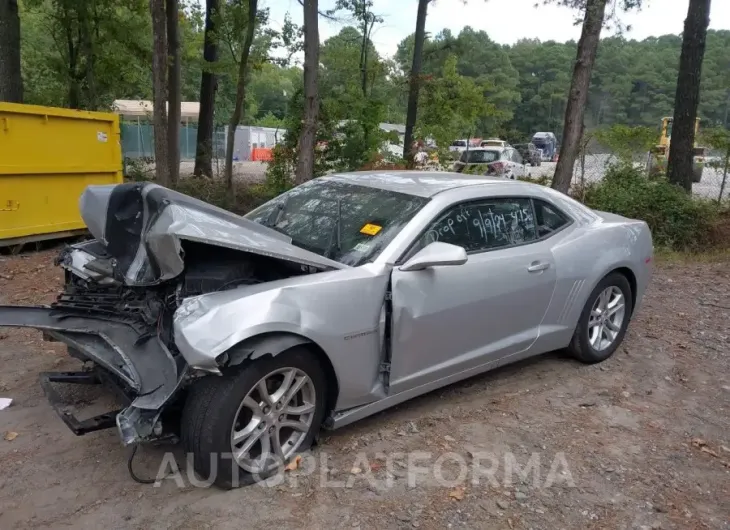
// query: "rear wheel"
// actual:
[[244, 426], [604, 320]]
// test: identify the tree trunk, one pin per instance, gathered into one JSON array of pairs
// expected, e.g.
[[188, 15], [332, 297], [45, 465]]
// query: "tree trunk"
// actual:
[[11, 80], [240, 90], [174, 95], [159, 90], [687, 98], [204, 144], [74, 87], [578, 95], [86, 48], [415, 80], [308, 137]]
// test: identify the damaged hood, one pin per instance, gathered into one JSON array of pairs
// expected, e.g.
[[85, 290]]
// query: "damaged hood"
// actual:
[[141, 226]]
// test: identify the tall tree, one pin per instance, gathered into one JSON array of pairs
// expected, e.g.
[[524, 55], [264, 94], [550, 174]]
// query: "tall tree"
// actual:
[[174, 90], [687, 98], [208, 82], [307, 139], [241, 89], [159, 90], [11, 80], [415, 79], [578, 95]]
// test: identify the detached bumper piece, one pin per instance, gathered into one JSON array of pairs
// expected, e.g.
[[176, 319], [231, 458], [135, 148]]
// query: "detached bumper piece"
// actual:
[[79, 427], [137, 363]]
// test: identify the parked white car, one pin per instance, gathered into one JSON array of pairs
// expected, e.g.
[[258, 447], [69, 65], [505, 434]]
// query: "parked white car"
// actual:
[[494, 142], [458, 146], [497, 161]]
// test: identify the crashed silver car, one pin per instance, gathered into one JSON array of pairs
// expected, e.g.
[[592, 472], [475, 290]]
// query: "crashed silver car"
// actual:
[[243, 336]]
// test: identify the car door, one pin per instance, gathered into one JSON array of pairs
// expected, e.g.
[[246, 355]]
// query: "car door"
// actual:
[[452, 318]]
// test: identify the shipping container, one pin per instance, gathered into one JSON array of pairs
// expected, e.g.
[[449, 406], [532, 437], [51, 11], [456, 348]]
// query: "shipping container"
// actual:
[[47, 158]]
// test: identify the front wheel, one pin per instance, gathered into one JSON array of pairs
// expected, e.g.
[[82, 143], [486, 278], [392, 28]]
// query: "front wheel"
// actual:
[[242, 427], [604, 320]]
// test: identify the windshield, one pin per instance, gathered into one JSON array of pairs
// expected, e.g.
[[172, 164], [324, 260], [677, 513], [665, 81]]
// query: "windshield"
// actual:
[[458, 143], [479, 156], [344, 222]]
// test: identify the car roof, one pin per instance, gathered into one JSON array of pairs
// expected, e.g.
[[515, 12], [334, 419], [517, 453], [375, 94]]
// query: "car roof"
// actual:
[[423, 183]]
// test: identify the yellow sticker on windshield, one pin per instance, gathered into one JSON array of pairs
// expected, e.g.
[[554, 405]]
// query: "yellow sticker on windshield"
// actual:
[[370, 229]]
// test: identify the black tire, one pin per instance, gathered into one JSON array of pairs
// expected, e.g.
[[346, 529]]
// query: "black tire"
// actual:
[[213, 402], [580, 346]]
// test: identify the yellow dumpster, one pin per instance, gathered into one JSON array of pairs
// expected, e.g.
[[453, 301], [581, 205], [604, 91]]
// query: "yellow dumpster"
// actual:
[[47, 157]]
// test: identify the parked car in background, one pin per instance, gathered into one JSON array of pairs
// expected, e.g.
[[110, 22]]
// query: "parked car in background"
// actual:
[[457, 146], [548, 142], [493, 161], [530, 153], [494, 142]]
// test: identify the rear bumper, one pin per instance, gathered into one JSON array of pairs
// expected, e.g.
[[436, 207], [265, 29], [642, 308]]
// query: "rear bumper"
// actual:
[[142, 364]]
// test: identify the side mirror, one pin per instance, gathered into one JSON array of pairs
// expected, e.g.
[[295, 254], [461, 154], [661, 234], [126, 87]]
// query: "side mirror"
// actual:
[[434, 255]]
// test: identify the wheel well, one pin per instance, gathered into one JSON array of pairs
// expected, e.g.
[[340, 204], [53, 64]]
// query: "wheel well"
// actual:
[[272, 344], [333, 386], [629, 275]]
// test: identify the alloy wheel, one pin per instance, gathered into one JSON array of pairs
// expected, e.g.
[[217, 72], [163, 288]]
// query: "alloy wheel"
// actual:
[[606, 318], [273, 420]]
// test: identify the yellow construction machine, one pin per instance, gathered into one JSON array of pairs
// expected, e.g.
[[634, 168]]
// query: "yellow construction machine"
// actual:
[[660, 151]]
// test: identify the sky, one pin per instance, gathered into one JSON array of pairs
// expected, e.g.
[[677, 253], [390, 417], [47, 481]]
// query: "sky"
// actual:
[[505, 21]]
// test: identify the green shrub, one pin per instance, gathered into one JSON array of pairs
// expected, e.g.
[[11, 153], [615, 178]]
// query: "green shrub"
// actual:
[[138, 169], [245, 196], [677, 221], [543, 180]]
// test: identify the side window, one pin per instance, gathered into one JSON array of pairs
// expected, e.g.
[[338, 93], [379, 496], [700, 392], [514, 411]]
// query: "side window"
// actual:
[[484, 225], [549, 219], [516, 156]]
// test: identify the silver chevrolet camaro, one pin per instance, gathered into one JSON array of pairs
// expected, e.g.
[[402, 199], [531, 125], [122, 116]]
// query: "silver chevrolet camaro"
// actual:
[[351, 293]]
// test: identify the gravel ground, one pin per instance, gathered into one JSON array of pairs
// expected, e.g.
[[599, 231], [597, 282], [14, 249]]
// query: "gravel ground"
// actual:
[[252, 172], [641, 441]]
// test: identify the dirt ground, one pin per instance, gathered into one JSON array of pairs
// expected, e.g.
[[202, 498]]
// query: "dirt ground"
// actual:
[[641, 441]]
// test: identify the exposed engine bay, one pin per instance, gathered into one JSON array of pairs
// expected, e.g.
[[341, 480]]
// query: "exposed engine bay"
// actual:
[[91, 289]]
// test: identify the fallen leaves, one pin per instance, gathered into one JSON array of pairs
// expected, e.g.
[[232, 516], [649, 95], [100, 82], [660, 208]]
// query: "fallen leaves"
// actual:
[[701, 444], [294, 464], [10, 436], [457, 493]]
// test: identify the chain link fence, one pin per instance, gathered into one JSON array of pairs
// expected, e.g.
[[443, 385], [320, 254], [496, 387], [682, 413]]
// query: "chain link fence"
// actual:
[[138, 150], [594, 160], [138, 141]]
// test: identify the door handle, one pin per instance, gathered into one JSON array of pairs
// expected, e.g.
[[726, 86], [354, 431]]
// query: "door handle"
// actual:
[[538, 266]]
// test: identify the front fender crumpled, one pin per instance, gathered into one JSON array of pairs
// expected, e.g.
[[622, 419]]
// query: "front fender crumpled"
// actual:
[[206, 326], [319, 307]]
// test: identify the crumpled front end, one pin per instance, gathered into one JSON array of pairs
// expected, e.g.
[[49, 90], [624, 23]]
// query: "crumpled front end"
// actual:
[[153, 249], [119, 350]]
